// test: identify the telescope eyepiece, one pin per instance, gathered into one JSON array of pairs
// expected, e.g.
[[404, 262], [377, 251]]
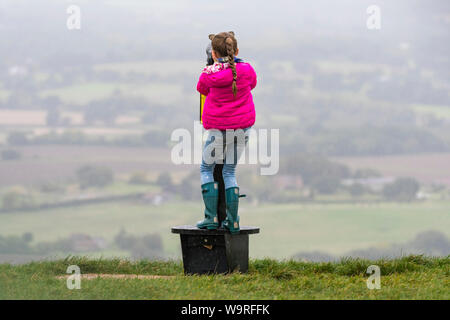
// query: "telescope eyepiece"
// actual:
[[209, 58]]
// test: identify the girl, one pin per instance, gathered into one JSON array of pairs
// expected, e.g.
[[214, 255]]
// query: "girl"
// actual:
[[228, 114]]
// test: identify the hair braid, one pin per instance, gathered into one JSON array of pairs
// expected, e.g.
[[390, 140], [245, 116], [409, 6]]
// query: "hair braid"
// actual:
[[230, 52], [225, 45]]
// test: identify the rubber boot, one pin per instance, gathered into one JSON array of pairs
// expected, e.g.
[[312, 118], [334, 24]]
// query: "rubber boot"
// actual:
[[231, 222], [210, 193]]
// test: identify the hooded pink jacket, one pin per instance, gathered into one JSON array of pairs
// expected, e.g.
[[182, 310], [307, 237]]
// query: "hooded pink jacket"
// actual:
[[222, 110]]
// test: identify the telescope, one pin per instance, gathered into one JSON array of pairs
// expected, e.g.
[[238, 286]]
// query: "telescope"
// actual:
[[209, 61], [214, 251]]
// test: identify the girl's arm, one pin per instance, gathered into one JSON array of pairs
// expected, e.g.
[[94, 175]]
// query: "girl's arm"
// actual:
[[203, 84]]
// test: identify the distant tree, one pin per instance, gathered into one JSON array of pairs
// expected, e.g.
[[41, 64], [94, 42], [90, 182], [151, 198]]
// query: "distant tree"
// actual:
[[150, 116], [27, 237], [164, 180], [53, 117], [138, 178], [105, 111], [124, 240], [315, 169], [356, 189], [431, 242], [366, 173], [51, 102], [155, 138], [314, 256], [325, 185], [146, 246], [15, 245], [10, 154], [189, 188], [128, 140], [17, 138], [402, 189], [51, 187], [16, 198], [437, 187], [94, 176]]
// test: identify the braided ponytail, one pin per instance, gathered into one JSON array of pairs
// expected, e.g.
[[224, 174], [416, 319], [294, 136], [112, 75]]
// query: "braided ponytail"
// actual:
[[230, 52], [225, 45]]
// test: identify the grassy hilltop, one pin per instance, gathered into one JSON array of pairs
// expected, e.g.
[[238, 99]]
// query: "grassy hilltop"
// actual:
[[412, 277]]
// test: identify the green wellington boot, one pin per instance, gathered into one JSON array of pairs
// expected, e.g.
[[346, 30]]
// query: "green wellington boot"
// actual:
[[231, 222], [210, 193]]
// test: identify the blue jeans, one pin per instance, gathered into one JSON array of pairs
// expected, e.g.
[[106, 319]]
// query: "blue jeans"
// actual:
[[223, 146]]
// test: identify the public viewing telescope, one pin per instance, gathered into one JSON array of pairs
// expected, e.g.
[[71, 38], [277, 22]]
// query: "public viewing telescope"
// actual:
[[214, 251]]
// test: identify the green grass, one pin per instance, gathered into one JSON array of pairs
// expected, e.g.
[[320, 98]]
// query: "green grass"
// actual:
[[413, 277], [333, 228], [118, 188]]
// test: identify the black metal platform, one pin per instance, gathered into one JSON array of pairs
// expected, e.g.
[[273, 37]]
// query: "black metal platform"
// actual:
[[188, 229], [214, 251]]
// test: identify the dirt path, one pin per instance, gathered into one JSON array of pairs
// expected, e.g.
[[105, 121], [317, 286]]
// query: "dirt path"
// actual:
[[91, 276]]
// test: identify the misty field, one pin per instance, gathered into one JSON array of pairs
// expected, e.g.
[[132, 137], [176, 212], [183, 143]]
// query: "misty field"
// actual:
[[165, 94], [331, 228], [163, 68], [412, 277], [426, 167], [59, 163]]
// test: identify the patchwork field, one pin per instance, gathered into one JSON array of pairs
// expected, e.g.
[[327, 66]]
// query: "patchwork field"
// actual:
[[285, 229], [59, 163], [162, 68], [164, 94], [47, 161], [331, 228], [427, 168], [35, 121]]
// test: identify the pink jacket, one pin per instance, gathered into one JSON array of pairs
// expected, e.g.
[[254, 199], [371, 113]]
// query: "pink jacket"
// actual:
[[222, 110]]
